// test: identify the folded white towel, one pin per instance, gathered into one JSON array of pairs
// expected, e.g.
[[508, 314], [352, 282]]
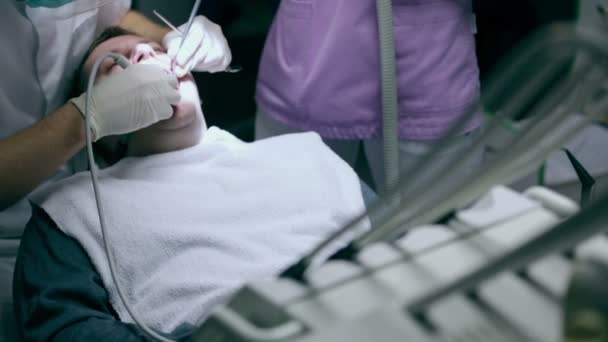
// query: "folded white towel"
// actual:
[[188, 228]]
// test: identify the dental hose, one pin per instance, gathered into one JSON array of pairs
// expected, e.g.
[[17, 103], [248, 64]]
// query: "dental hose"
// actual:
[[123, 62], [390, 107], [390, 134]]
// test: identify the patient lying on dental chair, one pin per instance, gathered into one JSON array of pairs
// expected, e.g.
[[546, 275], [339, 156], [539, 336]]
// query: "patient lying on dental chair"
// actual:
[[192, 214]]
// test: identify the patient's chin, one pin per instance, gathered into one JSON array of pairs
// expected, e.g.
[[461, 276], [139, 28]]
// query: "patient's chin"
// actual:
[[167, 136], [183, 116], [187, 110]]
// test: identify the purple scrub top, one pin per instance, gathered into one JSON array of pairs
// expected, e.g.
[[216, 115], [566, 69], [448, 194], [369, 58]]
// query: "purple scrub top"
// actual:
[[320, 67]]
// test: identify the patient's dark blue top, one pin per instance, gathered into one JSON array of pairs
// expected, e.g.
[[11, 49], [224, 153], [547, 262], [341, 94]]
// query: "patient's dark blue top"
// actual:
[[58, 295]]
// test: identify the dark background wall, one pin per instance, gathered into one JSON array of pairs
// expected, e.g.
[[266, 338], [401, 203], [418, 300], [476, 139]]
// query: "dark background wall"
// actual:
[[228, 98]]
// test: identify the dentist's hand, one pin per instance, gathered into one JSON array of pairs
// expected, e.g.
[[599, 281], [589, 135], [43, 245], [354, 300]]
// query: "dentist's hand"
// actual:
[[136, 98], [205, 48]]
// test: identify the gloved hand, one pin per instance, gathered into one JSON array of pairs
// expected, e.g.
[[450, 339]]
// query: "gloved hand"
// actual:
[[135, 98], [205, 48]]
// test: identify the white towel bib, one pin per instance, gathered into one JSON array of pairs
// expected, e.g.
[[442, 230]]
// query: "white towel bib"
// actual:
[[187, 228]]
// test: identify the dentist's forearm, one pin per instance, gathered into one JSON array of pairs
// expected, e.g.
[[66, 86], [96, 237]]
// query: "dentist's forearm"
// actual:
[[32, 155], [139, 24]]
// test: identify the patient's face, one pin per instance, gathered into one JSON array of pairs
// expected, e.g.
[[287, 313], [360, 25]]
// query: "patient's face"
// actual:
[[183, 129]]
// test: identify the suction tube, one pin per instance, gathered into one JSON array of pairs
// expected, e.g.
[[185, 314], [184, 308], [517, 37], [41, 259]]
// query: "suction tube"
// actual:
[[390, 118]]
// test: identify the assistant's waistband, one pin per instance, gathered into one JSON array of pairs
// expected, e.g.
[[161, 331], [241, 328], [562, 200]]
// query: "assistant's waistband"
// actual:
[[414, 128]]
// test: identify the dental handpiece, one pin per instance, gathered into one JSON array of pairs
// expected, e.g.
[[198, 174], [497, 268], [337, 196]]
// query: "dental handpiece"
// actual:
[[195, 8], [121, 60]]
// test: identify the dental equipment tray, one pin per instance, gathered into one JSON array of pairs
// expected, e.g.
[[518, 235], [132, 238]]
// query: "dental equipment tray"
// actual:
[[373, 298]]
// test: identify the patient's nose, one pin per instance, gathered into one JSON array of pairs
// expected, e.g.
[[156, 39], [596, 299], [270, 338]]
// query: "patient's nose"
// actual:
[[141, 52]]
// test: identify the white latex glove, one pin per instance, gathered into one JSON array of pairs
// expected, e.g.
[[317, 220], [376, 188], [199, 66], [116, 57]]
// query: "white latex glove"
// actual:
[[205, 48], [135, 98]]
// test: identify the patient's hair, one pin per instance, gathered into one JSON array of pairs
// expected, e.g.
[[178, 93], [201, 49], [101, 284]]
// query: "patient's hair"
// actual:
[[107, 34], [109, 155]]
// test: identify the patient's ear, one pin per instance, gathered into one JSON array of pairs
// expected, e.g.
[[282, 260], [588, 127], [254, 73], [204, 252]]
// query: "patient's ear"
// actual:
[[109, 150]]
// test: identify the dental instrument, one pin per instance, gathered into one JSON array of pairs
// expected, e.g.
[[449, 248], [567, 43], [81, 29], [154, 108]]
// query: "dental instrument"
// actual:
[[167, 22], [197, 4], [230, 69], [124, 63], [503, 281]]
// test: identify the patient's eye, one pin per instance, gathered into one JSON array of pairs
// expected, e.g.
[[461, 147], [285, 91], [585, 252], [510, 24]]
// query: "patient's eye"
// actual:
[[157, 48]]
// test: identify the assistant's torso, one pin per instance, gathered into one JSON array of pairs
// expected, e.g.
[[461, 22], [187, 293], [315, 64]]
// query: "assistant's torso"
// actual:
[[320, 67]]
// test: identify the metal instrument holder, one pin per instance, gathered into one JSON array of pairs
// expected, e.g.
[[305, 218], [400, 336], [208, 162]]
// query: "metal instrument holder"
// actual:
[[538, 79]]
